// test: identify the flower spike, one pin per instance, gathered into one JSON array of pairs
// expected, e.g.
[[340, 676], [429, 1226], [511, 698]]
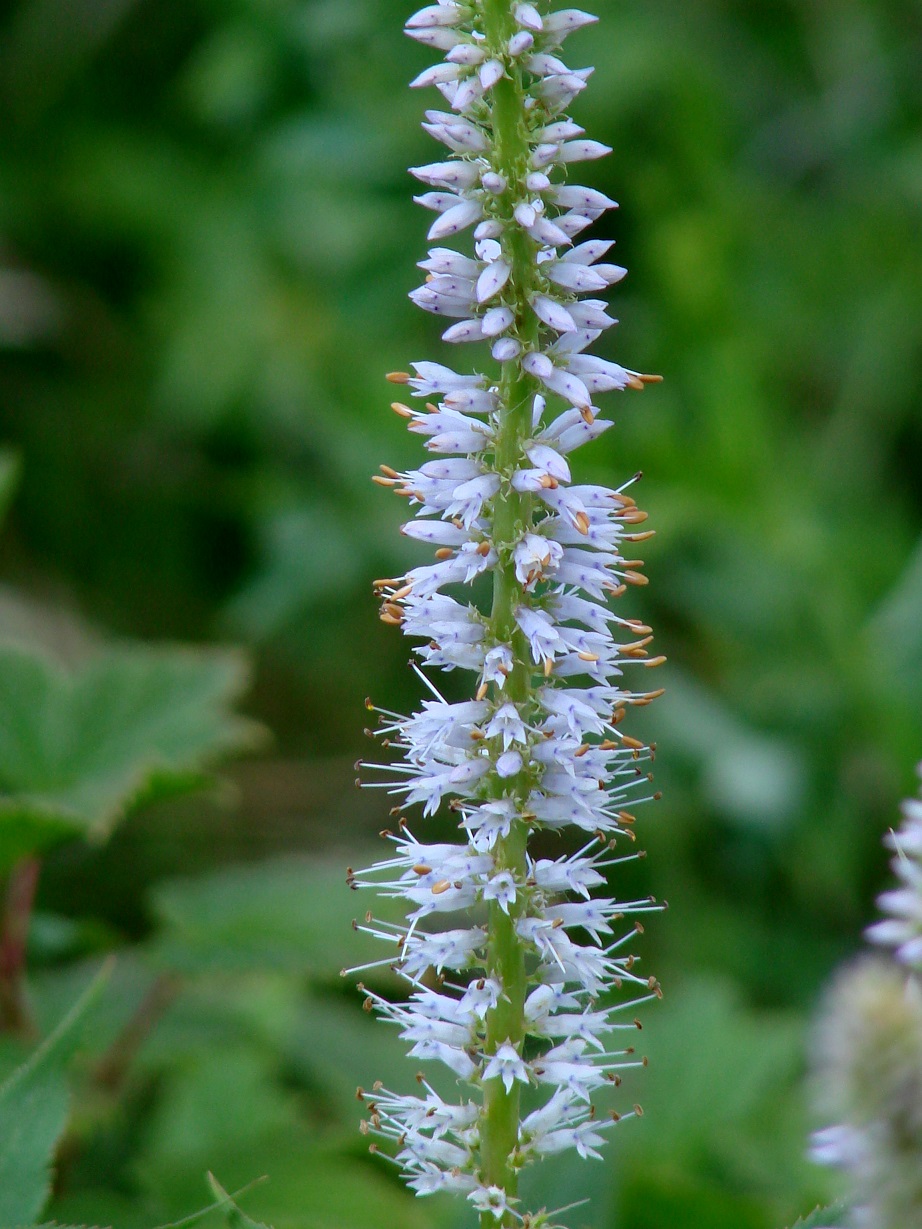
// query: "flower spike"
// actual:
[[507, 997]]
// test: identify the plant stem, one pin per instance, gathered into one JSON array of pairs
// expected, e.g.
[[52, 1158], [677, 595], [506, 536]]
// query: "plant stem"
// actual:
[[512, 514], [112, 1069], [14, 933]]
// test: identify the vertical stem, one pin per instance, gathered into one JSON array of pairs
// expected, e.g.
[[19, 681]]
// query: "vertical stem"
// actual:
[[512, 514], [14, 933]]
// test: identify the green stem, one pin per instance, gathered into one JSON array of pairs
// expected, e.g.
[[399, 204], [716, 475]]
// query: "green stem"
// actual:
[[512, 514]]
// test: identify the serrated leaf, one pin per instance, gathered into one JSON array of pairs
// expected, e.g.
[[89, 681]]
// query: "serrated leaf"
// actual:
[[822, 1218], [311, 1185], [225, 1204], [80, 748], [53, 1224], [235, 1217], [33, 1113]]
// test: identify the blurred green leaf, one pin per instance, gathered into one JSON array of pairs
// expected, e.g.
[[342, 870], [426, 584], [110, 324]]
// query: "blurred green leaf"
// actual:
[[656, 1196], [53, 1224], [823, 1218], [33, 1113], [895, 630], [721, 1106], [293, 913], [236, 1218], [312, 1186], [754, 778], [336, 1047], [80, 748], [9, 478]]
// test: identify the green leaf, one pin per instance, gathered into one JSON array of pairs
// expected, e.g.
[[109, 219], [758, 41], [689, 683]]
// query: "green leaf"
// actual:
[[79, 749], [53, 1224], [895, 631], [235, 1217], [280, 914], [820, 1218], [311, 1185], [33, 1113]]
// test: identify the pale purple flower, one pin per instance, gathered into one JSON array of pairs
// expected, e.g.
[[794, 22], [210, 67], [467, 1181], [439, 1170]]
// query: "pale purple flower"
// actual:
[[539, 746], [902, 930]]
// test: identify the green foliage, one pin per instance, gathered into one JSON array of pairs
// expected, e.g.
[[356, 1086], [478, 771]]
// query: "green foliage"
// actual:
[[9, 478], [79, 748], [206, 241], [33, 1114], [278, 915], [235, 1217]]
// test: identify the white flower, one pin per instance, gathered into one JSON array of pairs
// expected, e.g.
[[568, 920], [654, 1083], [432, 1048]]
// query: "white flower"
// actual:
[[902, 930], [506, 1064], [490, 1199]]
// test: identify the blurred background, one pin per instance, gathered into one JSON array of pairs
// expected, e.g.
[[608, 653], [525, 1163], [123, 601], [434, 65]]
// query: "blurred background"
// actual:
[[206, 242]]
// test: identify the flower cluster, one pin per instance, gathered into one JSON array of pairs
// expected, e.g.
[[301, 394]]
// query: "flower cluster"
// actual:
[[869, 1055], [507, 953], [902, 930]]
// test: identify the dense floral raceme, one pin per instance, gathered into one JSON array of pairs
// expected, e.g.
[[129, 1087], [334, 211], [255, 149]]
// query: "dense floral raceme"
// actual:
[[510, 960]]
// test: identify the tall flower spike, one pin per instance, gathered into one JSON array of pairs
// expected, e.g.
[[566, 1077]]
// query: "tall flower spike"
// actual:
[[505, 950]]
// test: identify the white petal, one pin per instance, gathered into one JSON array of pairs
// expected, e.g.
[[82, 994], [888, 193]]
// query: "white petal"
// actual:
[[496, 321], [528, 16], [455, 219], [492, 280], [491, 73], [520, 43], [553, 314]]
